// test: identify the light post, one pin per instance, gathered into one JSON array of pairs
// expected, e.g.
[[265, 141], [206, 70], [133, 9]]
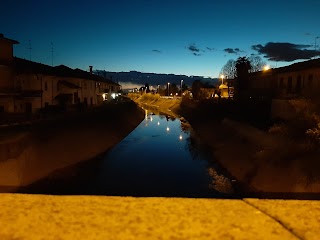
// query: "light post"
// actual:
[[266, 68], [222, 77], [315, 45], [168, 88], [181, 86]]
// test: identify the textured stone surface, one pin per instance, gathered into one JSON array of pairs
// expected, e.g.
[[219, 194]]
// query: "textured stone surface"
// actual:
[[92, 217], [302, 217]]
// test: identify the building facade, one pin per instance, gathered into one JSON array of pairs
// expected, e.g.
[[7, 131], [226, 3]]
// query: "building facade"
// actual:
[[293, 81], [26, 86]]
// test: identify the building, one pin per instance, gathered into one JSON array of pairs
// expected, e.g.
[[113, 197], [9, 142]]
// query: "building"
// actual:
[[26, 86], [7, 92], [297, 80]]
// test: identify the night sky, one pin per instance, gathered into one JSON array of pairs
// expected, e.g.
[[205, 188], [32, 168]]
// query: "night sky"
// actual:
[[179, 37]]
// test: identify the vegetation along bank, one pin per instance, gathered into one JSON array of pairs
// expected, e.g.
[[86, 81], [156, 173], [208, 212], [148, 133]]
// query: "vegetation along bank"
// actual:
[[263, 155]]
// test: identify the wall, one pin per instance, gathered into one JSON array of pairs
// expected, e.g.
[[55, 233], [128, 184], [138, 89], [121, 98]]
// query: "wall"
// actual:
[[56, 144]]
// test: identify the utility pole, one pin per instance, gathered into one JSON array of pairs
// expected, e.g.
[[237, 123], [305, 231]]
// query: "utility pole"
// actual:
[[30, 48]]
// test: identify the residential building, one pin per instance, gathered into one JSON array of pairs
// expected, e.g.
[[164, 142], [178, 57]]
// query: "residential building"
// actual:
[[26, 86], [297, 80]]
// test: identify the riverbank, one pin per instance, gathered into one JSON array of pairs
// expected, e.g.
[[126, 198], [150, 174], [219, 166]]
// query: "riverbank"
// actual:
[[34, 151], [262, 164]]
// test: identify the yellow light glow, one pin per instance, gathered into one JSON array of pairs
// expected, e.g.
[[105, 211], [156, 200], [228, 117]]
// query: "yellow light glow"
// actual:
[[180, 137], [266, 68]]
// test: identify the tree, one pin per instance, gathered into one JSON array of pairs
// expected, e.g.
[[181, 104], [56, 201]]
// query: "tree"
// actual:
[[196, 85], [243, 66], [257, 63], [173, 89], [229, 69], [147, 87]]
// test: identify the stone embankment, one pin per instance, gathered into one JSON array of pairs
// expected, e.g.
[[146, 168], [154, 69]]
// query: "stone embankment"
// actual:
[[35, 151]]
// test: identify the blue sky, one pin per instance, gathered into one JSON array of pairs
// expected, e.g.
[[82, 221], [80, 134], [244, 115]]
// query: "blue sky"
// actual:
[[180, 37]]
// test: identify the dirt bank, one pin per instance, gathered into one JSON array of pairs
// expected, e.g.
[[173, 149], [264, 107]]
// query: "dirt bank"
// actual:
[[49, 145], [261, 163]]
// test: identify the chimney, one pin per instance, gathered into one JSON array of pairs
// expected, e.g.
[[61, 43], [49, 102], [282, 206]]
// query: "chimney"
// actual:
[[90, 67]]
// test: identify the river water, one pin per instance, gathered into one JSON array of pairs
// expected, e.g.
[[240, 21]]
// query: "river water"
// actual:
[[162, 157]]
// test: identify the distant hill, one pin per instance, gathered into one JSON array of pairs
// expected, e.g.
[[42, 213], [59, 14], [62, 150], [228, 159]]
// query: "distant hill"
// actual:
[[153, 79]]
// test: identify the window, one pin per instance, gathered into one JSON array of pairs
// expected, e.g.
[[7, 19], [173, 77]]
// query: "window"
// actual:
[[310, 79], [299, 84], [289, 87], [281, 83]]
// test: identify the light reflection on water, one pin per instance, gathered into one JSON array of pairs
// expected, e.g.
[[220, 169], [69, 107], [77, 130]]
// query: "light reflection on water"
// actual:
[[160, 158]]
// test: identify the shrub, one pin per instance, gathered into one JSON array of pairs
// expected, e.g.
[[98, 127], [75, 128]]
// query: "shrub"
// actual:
[[305, 126], [150, 97]]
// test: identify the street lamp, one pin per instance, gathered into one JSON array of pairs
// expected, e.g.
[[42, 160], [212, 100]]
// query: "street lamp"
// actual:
[[168, 88], [181, 87], [266, 68], [222, 77]]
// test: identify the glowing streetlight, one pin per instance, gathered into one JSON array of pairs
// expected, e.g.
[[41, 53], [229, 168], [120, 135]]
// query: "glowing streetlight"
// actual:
[[222, 77], [168, 88], [266, 67]]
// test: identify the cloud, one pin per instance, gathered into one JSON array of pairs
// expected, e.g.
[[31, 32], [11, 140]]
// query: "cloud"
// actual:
[[193, 48], [196, 51], [285, 52], [232, 50], [156, 51]]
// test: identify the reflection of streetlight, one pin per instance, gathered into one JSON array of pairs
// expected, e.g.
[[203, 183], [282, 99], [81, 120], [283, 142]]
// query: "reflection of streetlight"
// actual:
[[181, 86], [222, 77], [168, 88]]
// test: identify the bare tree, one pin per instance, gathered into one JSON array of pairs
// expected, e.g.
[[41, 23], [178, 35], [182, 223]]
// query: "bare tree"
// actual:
[[229, 69], [256, 63], [243, 66]]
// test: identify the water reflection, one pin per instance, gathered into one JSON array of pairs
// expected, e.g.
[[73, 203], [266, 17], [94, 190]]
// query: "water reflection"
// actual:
[[161, 157]]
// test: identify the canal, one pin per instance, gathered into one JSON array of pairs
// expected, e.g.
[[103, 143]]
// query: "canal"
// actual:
[[162, 157]]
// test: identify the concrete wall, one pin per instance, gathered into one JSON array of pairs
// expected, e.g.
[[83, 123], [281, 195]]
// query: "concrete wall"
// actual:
[[53, 145]]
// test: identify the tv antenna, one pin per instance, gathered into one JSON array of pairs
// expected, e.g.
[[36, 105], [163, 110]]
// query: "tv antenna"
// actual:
[[30, 48], [52, 54]]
